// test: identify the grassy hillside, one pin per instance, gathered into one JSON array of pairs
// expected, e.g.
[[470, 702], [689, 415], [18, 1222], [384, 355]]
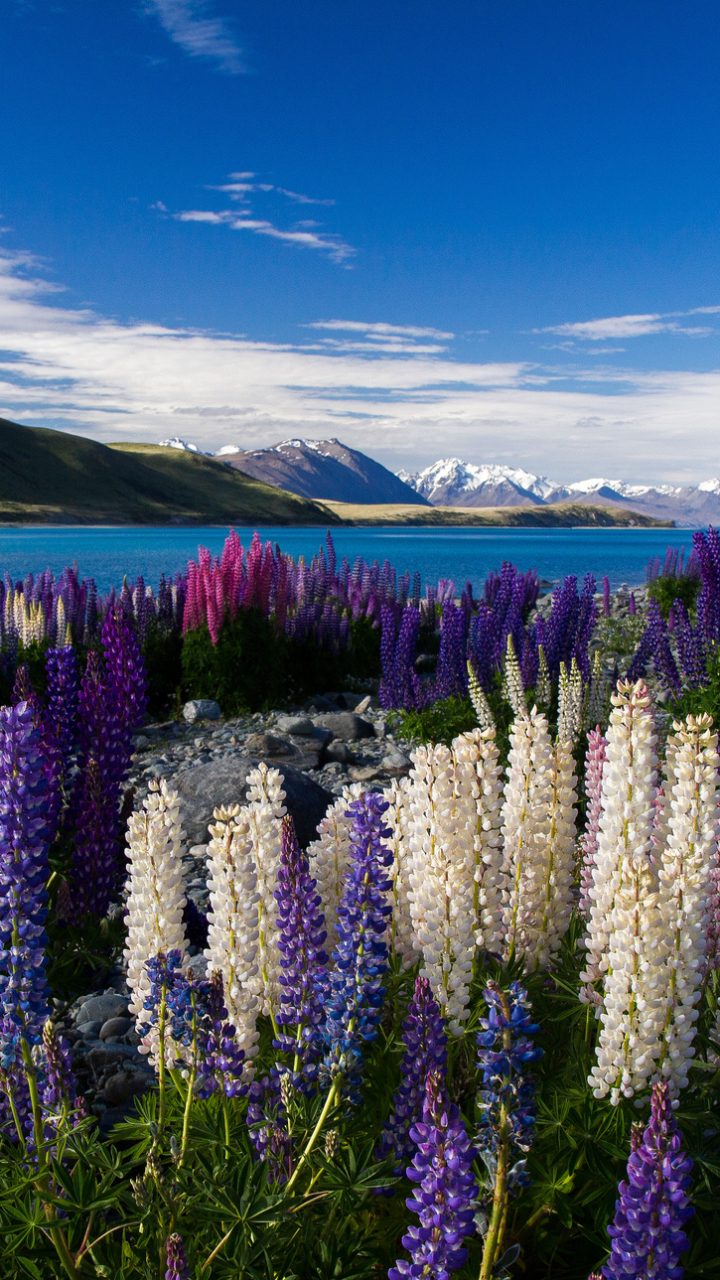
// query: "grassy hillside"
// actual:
[[52, 477], [553, 516]]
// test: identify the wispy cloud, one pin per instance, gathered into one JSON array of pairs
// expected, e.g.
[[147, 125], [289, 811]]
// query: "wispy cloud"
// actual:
[[633, 326], [112, 381], [379, 330], [302, 234], [199, 35]]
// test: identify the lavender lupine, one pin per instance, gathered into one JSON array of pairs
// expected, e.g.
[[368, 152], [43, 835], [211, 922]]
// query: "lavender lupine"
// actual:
[[177, 1267], [425, 1040], [301, 928], [444, 1199], [505, 1101], [354, 1001], [647, 1233]]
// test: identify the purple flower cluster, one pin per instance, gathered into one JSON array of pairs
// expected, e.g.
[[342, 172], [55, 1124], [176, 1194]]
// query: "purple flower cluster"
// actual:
[[451, 674], [505, 1100], [177, 1266], [425, 1040], [400, 685], [695, 646], [569, 628], [647, 1232], [301, 925], [354, 1002], [48, 747], [444, 1198], [62, 701]]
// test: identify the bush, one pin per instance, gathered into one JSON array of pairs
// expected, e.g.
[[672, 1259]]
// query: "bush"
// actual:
[[666, 590]]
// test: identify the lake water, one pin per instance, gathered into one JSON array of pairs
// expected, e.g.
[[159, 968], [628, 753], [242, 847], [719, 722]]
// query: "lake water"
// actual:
[[107, 554]]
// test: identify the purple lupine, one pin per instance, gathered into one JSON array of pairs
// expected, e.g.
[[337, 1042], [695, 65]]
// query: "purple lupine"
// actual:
[[688, 646], [58, 1086], [400, 685], [595, 757], [444, 1199], [125, 668], [354, 1002], [62, 696], [451, 677], [506, 1097], [665, 664], [303, 976], [632, 605], [606, 596], [425, 1040], [647, 1232], [177, 1265], [23, 884], [49, 751]]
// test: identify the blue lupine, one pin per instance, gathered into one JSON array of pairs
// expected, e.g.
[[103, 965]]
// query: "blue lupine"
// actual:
[[506, 1098], [354, 1002], [444, 1199], [303, 976], [425, 1040], [647, 1232]]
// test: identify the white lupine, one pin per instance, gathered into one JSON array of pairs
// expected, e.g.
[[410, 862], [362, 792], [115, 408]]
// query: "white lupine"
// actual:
[[685, 875], [628, 812], [570, 703], [559, 868], [400, 923], [479, 700], [330, 859], [155, 894], [596, 702], [543, 690], [442, 882], [513, 689], [526, 818], [263, 813], [232, 944], [478, 792]]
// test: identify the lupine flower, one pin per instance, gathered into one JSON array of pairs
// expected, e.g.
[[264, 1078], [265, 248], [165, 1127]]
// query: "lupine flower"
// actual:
[[400, 926], [594, 764], [442, 899], [597, 698], [647, 1233], [444, 1200], [479, 700], [506, 1096], [606, 596], [686, 860], [62, 696], [354, 1002], [155, 892], [526, 815], [23, 880], [233, 923], [330, 857], [543, 691], [478, 800], [59, 1087], [513, 689], [177, 1267], [301, 929], [125, 667], [570, 703], [451, 675], [423, 1034], [49, 751], [263, 813], [196, 1024]]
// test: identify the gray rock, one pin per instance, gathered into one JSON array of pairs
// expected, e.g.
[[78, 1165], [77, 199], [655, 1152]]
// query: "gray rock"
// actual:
[[380, 728], [346, 725], [266, 745], [100, 1008], [203, 787], [90, 1030], [396, 763], [201, 709], [114, 1028], [118, 1089], [337, 750], [102, 1055], [298, 726]]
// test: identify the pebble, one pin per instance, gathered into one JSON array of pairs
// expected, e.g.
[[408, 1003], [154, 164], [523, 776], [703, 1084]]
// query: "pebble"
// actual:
[[100, 1008]]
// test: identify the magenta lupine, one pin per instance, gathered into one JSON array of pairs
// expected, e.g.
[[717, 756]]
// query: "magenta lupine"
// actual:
[[647, 1233], [594, 765], [444, 1198], [425, 1040]]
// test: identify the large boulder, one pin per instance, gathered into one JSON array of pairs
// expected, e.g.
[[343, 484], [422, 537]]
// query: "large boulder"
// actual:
[[346, 726], [204, 787]]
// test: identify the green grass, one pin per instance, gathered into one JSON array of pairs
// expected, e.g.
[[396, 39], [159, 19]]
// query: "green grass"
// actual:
[[53, 477]]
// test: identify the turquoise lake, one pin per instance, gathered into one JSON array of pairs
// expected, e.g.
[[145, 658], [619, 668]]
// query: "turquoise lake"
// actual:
[[462, 554]]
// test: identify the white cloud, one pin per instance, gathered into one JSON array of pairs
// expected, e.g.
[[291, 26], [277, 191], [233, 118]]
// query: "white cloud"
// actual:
[[80, 370], [198, 35], [301, 234], [379, 330], [633, 326]]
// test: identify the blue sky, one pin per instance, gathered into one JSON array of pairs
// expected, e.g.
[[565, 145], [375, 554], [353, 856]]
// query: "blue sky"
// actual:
[[482, 229]]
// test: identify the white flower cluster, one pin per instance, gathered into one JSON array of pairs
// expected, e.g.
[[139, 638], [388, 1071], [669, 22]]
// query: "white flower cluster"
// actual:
[[650, 897], [570, 703], [401, 937], [263, 814], [232, 947], [539, 832], [513, 689], [155, 894], [479, 700], [478, 789], [329, 858]]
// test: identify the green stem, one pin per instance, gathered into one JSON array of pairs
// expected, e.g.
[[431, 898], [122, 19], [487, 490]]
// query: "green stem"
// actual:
[[56, 1232], [161, 1061], [329, 1104], [492, 1240]]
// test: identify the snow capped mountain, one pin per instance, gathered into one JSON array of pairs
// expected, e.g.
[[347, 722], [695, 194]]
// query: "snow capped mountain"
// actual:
[[177, 443], [450, 482], [325, 469]]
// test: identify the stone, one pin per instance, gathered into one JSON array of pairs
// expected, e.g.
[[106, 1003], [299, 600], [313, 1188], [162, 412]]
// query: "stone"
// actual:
[[201, 709], [114, 1028], [203, 787], [100, 1008], [90, 1030], [141, 742], [266, 745], [103, 1055], [118, 1089], [319, 703], [346, 725], [337, 750], [296, 726], [380, 728], [395, 763], [363, 705]]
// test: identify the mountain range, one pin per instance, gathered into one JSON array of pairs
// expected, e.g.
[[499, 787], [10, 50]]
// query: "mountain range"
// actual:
[[450, 482]]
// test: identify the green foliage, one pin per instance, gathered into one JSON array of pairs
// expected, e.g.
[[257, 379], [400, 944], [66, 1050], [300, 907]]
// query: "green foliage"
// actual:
[[440, 722], [666, 590], [162, 653], [696, 699]]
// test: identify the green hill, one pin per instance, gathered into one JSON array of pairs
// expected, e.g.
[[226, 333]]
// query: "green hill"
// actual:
[[556, 515], [52, 477]]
